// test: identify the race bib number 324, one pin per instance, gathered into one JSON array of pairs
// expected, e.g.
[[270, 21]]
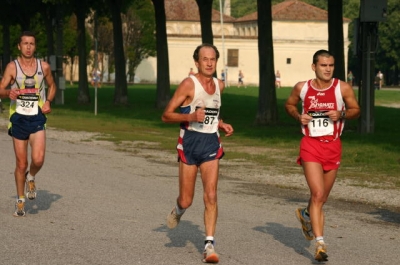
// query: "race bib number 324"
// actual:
[[27, 103]]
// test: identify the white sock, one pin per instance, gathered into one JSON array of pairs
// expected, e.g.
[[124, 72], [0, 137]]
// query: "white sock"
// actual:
[[29, 177], [320, 239], [206, 242]]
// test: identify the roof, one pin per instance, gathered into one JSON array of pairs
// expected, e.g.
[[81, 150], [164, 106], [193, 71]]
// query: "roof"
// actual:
[[293, 10], [188, 10]]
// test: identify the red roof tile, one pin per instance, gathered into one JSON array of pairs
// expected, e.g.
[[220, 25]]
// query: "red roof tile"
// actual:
[[292, 10], [188, 10]]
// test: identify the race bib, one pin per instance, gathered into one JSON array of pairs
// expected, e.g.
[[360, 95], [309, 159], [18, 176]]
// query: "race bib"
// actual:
[[27, 103], [320, 125], [210, 123]]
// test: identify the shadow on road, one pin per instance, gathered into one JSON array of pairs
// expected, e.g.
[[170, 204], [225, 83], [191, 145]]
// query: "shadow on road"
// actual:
[[288, 237], [185, 232], [43, 202]]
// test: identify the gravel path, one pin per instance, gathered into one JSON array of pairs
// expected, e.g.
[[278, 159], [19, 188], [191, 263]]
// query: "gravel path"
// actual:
[[244, 170], [241, 170]]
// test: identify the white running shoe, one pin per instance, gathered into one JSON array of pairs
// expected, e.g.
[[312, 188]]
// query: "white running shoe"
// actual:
[[210, 256], [19, 209], [30, 187]]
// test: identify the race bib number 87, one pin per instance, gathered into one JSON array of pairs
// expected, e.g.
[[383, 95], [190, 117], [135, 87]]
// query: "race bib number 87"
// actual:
[[320, 125], [210, 122]]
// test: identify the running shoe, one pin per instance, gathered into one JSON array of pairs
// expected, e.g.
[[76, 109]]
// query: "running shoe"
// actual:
[[305, 225], [19, 208], [30, 188], [320, 252], [173, 219], [210, 256]]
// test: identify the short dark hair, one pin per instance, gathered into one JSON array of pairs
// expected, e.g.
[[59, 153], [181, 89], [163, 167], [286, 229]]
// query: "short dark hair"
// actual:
[[324, 53], [26, 34], [196, 52]]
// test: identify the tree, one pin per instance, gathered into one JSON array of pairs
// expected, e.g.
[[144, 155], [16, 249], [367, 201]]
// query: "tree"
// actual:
[[388, 50], [205, 11], [105, 44], [335, 36], [267, 102], [81, 10], [163, 84], [139, 38], [70, 44], [116, 7]]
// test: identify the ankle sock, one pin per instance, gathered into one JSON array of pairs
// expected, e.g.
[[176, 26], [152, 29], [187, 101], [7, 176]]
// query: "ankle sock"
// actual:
[[21, 198], [320, 239], [179, 211], [209, 240], [29, 177]]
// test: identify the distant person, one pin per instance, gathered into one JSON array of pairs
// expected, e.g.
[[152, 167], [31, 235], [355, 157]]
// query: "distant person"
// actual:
[[28, 77], [350, 78], [377, 82], [223, 75], [278, 79], [326, 103], [191, 72], [96, 74], [199, 146], [380, 77], [240, 79]]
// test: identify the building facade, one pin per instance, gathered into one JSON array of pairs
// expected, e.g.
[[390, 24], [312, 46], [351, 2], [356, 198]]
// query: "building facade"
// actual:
[[299, 29]]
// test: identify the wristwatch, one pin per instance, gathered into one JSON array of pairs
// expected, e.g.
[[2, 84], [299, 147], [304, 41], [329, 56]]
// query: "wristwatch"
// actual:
[[343, 114]]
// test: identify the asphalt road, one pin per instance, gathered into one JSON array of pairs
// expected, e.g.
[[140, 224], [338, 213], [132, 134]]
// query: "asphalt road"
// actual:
[[100, 206]]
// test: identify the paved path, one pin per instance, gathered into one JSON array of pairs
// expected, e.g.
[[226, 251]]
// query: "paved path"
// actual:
[[99, 206]]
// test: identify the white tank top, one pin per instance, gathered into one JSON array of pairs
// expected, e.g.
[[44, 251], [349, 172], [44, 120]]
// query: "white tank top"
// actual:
[[32, 89], [212, 104]]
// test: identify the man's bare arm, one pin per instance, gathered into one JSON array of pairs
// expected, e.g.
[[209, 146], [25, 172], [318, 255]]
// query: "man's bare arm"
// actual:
[[182, 96], [7, 79]]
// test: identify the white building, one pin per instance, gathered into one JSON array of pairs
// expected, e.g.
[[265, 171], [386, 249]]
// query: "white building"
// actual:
[[299, 30]]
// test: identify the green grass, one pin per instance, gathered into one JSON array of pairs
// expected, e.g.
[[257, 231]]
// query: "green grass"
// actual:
[[368, 159]]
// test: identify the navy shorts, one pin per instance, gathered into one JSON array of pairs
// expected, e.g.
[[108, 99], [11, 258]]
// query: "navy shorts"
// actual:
[[195, 148], [23, 126]]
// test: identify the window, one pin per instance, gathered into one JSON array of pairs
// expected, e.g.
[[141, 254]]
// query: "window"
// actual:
[[288, 60], [233, 57]]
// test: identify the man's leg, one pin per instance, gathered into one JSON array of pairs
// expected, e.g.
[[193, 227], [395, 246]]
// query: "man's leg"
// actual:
[[209, 174], [187, 181], [37, 142], [320, 183], [21, 156]]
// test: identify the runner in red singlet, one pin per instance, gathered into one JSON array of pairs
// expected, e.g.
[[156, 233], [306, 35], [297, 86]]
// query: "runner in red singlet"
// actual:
[[326, 103]]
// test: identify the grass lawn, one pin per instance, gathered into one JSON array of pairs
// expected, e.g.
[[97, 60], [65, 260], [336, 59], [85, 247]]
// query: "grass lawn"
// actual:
[[368, 159]]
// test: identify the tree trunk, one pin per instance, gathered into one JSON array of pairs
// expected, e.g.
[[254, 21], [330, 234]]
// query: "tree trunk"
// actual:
[[6, 46], [59, 53], [267, 102], [335, 32], [121, 86], [205, 11], [83, 88], [163, 82]]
